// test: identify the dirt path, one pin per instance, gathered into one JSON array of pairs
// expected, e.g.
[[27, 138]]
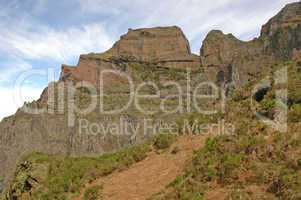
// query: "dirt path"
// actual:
[[151, 175]]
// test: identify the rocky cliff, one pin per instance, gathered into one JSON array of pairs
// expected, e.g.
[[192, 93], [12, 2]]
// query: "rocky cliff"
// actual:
[[165, 47], [281, 34], [158, 55], [229, 61]]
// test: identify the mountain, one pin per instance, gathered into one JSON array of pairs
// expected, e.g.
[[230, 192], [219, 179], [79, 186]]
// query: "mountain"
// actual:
[[158, 56], [226, 58]]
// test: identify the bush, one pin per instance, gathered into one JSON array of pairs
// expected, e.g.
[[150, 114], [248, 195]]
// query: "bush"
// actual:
[[164, 141], [211, 144], [194, 120], [295, 113], [299, 163], [93, 193], [65, 176], [239, 95], [268, 104]]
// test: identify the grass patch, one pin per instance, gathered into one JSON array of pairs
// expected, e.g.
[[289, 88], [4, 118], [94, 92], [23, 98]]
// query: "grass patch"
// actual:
[[93, 193], [62, 177], [295, 113], [237, 163], [163, 141]]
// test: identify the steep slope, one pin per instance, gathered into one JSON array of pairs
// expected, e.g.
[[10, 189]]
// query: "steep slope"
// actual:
[[157, 55], [229, 61], [165, 47], [281, 34], [256, 162], [151, 175]]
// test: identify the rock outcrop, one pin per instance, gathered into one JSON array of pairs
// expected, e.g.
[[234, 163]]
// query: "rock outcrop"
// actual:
[[228, 60], [165, 47], [160, 45], [155, 54], [282, 34], [158, 55]]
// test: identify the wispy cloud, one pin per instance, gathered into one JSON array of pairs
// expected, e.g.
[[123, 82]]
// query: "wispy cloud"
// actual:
[[47, 43], [11, 68], [242, 18]]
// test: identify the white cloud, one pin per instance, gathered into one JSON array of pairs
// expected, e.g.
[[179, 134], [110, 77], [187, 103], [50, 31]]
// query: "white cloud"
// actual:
[[242, 18], [12, 68], [7, 101], [47, 43]]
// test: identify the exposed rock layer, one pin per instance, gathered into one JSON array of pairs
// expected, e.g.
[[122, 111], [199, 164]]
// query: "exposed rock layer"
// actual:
[[228, 60], [166, 47], [158, 54]]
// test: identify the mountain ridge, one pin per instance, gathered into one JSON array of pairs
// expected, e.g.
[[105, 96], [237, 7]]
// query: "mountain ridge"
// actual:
[[148, 54]]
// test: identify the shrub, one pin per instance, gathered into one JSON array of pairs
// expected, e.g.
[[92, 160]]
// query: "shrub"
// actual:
[[193, 121], [211, 144], [295, 113], [93, 193], [164, 141], [239, 95], [65, 176], [299, 163], [268, 104]]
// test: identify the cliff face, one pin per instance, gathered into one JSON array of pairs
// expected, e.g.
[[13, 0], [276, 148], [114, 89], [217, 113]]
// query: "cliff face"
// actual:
[[163, 44], [281, 34], [229, 60], [165, 47], [159, 55]]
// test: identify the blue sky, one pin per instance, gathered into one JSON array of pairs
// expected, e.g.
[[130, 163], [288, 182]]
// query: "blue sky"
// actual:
[[42, 34]]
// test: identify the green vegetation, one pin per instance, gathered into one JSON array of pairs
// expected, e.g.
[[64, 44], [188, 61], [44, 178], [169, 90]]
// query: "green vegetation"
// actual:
[[239, 163], [63, 177], [164, 141], [239, 95], [295, 113], [255, 163], [294, 84], [191, 123], [93, 193], [40, 176]]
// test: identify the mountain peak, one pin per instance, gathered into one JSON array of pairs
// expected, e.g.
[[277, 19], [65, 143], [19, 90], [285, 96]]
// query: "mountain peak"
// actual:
[[163, 46], [281, 34], [289, 16], [152, 44]]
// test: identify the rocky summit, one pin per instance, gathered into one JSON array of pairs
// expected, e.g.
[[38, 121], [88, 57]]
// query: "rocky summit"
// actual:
[[165, 47], [159, 55], [228, 60]]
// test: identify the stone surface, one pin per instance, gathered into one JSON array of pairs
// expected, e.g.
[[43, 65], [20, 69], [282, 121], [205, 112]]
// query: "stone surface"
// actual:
[[282, 34], [165, 47], [228, 60], [158, 55], [152, 44]]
